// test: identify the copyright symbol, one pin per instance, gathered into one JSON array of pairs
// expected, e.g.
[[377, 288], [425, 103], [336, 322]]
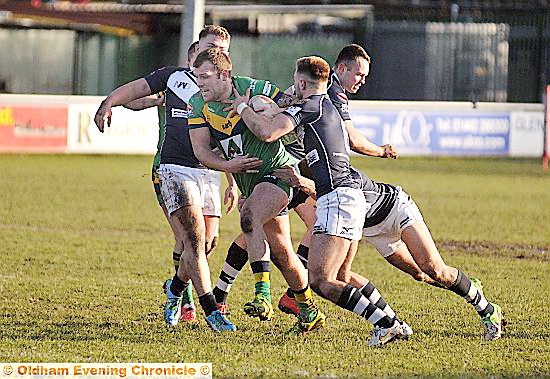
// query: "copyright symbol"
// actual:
[[205, 370], [8, 370]]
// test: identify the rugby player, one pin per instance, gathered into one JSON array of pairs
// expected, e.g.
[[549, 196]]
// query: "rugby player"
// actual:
[[394, 225], [190, 191], [188, 312], [341, 206], [266, 196], [396, 228]]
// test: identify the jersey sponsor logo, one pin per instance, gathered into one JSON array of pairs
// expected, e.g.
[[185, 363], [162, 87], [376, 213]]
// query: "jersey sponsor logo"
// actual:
[[267, 89], [292, 110], [345, 108], [252, 85], [180, 113], [312, 157], [227, 125], [232, 146], [181, 85]]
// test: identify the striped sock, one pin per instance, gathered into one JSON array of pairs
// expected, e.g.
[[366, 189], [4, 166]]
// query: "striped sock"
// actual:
[[234, 263], [371, 293], [260, 269], [303, 252], [466, 289], [352, 300]]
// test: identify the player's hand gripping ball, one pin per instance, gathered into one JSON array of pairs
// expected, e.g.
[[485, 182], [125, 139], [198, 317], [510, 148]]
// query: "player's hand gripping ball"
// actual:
[[264, 105]]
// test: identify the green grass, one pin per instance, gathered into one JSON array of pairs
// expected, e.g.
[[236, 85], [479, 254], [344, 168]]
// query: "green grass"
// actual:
[[85, 249]]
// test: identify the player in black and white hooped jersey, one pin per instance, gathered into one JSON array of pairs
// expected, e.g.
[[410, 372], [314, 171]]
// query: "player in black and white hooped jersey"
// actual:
[[394, 224], [341, 205], [190, 191]]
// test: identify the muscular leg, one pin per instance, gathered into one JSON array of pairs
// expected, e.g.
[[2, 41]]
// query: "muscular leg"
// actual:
[[278, 235], [190, 227], [419, 241], [265, 202], [422, 248], [327, 256], [403, 260]]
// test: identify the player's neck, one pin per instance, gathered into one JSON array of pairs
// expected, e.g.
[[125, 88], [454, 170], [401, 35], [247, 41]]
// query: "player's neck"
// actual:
[[317, 90], [228, 91]]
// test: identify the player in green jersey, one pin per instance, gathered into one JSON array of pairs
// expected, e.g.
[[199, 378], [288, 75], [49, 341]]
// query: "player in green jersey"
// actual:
[[252, 161]]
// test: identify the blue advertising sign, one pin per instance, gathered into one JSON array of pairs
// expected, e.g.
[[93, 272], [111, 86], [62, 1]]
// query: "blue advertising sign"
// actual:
[[416, 132]]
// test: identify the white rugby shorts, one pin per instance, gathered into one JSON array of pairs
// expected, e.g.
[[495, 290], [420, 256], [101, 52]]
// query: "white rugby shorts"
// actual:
[[386, 236], [182, 186], [341, 213]]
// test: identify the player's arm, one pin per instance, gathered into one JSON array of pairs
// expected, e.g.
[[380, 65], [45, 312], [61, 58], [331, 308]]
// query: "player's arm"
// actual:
[[265, 128], [360, 144], [144, 103], [231, 196], [200, 139], [291, 176], [121, 95]]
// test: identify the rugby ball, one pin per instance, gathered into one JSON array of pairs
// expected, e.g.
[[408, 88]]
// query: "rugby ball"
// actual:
[[260, 103]]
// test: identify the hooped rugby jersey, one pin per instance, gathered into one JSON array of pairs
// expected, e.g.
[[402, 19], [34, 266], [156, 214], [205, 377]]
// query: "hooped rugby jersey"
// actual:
[[233, 136], [320, 127], [380, 197], [338, 96], [179, 85]]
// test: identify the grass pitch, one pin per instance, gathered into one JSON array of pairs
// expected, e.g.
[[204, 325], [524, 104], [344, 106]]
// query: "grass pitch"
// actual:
[[85, 250]]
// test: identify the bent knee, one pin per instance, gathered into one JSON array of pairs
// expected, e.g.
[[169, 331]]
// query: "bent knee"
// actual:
[[246, 221]]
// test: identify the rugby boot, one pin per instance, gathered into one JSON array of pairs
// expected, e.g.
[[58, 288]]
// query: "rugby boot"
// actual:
[[307, 322], [172, 308], [382, 336], [288, 305], [259, 307], [219, 323], [493, 323]]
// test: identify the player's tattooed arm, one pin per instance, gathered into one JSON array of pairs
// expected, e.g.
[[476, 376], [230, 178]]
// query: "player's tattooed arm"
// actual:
[[286, 100]]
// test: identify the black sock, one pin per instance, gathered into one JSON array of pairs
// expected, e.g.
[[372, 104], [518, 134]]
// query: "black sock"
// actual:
[[178, 286], [176, 258], [462, 285], [303, 252], [208, 303]]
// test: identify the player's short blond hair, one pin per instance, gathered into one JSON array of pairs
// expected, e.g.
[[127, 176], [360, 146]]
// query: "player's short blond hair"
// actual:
[[215, 55], [216, 30], [316, 68]]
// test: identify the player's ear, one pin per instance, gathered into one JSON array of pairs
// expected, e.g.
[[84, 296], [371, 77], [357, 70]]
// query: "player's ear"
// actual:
[[225, 75]]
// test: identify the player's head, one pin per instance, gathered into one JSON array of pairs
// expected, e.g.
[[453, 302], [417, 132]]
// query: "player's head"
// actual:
[[213, 70], [192, 53], [352, 67], [214, 36], [311, 76]]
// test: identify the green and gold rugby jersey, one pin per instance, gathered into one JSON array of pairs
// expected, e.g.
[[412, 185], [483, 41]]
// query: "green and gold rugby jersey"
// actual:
[[233, 136]]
